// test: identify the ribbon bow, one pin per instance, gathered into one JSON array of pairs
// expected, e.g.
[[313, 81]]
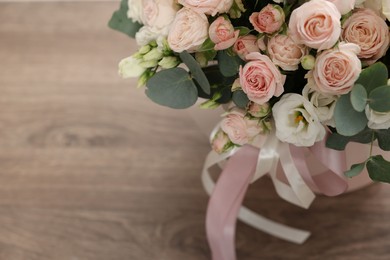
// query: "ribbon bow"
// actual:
[[247, 164]]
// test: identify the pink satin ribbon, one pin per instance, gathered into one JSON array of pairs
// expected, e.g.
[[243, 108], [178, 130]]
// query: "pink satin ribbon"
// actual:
[[229, 192], [226, 201]]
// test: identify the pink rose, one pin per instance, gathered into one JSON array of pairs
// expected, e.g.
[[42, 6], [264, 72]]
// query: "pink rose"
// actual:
[[210, 7], [222, 33], [316, 24], [220, 142], [188, 31], [285, 53], [245, 45], [336, 70], [344, 6], [240, 129], [268, 20], [260, 79], [368, 30]]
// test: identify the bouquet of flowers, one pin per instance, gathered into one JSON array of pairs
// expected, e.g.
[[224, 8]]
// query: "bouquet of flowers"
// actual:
[[293, 72]]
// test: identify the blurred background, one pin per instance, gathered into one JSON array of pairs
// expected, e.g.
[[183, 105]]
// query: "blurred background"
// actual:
[[91, 169]]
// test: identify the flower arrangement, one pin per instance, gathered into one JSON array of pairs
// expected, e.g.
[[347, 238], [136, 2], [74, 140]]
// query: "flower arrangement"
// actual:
[[302, 71]]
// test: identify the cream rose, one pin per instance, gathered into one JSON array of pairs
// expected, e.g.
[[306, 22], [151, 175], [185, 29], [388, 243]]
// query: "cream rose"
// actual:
[[188, 31], [316, 24], [159, 14], [368, 30], [222, 33], [260, 79], [323, 104], [245, 45], [269, 20], [240, 129], [210, 7], [336, 70], [285, 53], [296, 121], [344, 6]]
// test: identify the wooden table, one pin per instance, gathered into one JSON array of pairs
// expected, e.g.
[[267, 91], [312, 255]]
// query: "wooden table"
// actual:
[[91, 169]]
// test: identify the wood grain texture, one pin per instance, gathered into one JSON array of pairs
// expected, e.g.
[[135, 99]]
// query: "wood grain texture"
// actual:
[[91, 169]]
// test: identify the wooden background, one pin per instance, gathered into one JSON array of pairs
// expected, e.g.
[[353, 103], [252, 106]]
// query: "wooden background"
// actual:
[[91, 169]]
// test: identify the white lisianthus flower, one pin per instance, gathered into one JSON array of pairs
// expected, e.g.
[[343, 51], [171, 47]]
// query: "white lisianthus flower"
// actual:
[[130, 68], [377, 120], [386, 8], [323, 104], [296, 121], [379, 6], [145, 35], [135, 10]]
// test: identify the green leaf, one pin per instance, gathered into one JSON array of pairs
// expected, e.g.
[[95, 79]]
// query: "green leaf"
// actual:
[[243, 30], [172, 88], [339, 142], [196, 71], [240, 98], [379, 99], [206, 46], [120, 22], [378, 168], [383, 136], [374, 76], [228, 64], [359, 97], [348, 121], [355, 170]]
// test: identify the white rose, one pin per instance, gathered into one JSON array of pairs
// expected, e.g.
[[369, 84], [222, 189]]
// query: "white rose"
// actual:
[[377, 120], [158, 15], [145, 35], [130, 68], [323, 104], [135, 10], [188, 31], [296, 121]]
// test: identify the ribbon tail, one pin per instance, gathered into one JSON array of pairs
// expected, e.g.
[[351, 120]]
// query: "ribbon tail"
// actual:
[[226, 200], [225, 204]]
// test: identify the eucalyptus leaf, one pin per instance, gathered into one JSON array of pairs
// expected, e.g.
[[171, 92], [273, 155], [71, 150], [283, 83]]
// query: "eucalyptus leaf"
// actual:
[[240, 98], [383, 136], [378, 168], [172, 88], [228, 64], [379, 99], [196, 71], [355, 170], [339, 142], [348, 121], [359, 97], [374, 76], [120, 22], [243, 30]]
